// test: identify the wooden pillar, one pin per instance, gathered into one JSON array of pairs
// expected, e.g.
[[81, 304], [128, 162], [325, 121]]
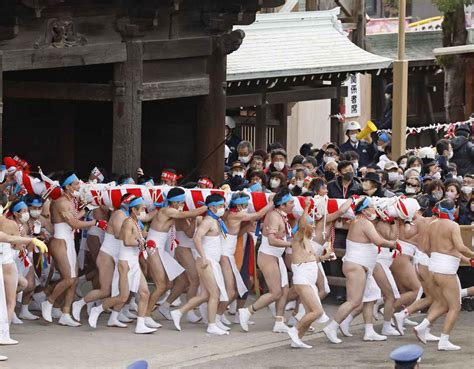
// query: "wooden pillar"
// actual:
[[281, 133], [210, 125], [336, 128], [127, 114], [358, 35], [1, 104], [261, 126]]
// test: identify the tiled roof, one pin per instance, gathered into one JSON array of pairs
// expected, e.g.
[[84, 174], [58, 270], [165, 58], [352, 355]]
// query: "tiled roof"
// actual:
[[418, 45], [299, 43]]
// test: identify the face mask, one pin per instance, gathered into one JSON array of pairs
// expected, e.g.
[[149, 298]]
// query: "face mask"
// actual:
[[328, 159], [291, 186], [410, 190], [450, 195], [76, 194], [244, 159], [304, 190], [274, 183], [329, 176], [355, 166], [238, 174], [279, 165], [438, 195], [348, 176], [24, 217], [220, 212], [380, 148], [450, 155], [35, 213], [392, 176], [466, 189], [418, 169], [403, 165], [142, 216], [181, 208], [267, 164], [300, 183], [353, 138], [437, 175]]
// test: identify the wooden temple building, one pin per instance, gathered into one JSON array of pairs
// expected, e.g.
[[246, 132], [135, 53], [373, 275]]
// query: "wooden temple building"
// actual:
[[118, 83]]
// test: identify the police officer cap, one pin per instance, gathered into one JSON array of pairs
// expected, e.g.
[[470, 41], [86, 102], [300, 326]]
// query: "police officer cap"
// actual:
[[406, 354]]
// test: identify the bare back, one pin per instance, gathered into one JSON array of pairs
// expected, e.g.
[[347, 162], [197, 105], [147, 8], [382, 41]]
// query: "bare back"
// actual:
[[443, 236], [274, 223], [115, 223]]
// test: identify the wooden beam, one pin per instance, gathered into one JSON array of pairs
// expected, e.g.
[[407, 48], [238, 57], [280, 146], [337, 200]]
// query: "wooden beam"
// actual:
[[236, 101], [174, 89], [127, 111], [1, 104], [281, 97], [58, 90], [175, 49], [304, 94], [67, 57]]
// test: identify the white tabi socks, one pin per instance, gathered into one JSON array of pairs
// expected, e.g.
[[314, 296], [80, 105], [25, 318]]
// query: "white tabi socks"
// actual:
[[445, 345], [76, 309], [371, 335]]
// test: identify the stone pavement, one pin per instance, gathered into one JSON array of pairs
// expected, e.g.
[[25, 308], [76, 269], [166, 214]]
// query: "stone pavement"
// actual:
[[51, 346]]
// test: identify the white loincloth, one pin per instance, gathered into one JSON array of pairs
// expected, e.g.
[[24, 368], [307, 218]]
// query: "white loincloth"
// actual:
[[445, 264], [407, 248], [229, 245], [306, 274], [385, 260], [266, 248], [62, 231], [318, 250], [96, 231], [131, 256], [184, 240], [421, 258], [212, 246], [171, 266], [364, 254], [6, 253], [111, 246]]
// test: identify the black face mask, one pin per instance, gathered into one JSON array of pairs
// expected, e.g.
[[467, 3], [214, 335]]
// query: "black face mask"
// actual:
[[348, 176], [329, 176]]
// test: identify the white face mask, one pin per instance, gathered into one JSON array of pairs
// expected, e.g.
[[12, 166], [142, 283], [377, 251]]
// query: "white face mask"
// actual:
[[380, 148], [181, 208], [142, 216], [300, 183], [244, 159], [24, 217], [410, 190], [437, 175], [238, 174], [291, 186], [353, 138], [35, 213], [76, 194], [403, 165], [328, 159], [279, 165], [355, 166], [274, 183], [466, 189], [304, 190], [267, 164], [418, 169], [392, 176], [220, 212], [450, 155]]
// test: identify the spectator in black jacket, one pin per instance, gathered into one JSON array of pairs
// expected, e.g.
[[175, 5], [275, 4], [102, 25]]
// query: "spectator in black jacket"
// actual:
[[463, 150], [365, 150], [344, 186]]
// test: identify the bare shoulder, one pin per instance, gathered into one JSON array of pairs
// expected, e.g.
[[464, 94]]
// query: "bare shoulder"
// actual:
[[7, 225]]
